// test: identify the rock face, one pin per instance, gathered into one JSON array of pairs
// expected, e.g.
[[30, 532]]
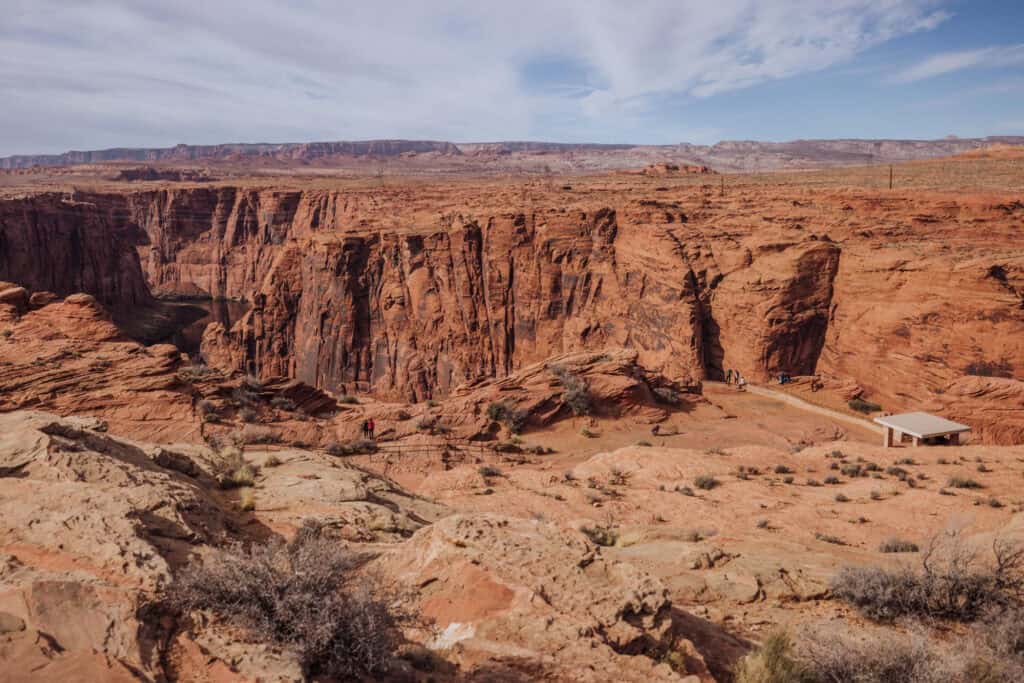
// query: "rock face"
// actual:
[[91, 523], [68, 357], [409, 292], [537, 597]]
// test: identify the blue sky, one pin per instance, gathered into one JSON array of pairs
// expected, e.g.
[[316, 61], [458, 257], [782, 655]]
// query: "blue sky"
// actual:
[[104, 73]]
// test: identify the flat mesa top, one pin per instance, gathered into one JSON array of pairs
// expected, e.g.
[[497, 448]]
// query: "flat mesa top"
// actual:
[[922, 425]]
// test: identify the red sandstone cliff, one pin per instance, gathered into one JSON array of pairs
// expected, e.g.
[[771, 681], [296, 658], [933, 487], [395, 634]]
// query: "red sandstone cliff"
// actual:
[[408, 291]]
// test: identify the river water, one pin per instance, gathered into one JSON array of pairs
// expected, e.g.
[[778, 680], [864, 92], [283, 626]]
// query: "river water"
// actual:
[[194, 316]]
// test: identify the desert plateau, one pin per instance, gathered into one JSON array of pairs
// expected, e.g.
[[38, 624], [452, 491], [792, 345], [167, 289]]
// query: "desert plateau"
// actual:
[[497, 343]]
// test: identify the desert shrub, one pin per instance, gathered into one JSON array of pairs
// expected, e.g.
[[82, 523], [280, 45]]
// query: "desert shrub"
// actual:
[[872, 467], [205, 407], [348, 399], [618, 476], [508, 414], [258, 434], [252, 382], [832, 480], [773, 662], [788, 480], [813, 482], [862, 406], [984, 468], [962, 483], [644, 444], [302, 596], [842, 498], [232, 471], [851, 470], [283, 403], [667, 395], [273, 461], [247, 500], [906, 461], [840, 654], [685, 490], [402, 416], [705, 482], [762, 524], [588, 433], [897, 472], [959, 585], [196, 373], [782, 469], [575, 391], [248, 415], [489, 471], [994, 502], [600, 535], [828, 538], [241, 396], [897, 545], [356, 447], [715, 450]]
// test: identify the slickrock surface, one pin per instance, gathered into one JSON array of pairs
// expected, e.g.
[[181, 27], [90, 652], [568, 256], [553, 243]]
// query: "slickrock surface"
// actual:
[[68, 357], [90, 523]]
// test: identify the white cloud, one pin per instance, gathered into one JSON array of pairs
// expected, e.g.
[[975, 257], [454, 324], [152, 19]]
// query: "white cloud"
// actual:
[[86, 74], [948, 62]]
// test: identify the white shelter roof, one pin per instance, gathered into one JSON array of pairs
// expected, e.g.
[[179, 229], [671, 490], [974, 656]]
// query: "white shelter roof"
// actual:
[[922, 425]]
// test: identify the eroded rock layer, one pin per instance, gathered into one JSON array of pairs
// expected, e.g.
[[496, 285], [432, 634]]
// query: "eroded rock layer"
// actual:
[[409, 290]]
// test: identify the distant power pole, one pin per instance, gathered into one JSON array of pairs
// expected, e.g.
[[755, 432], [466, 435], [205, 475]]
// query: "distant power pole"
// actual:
[[890, 176], [723, 185]]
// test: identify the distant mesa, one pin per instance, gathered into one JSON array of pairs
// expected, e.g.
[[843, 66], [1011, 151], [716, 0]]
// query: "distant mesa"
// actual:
[[531, 156]]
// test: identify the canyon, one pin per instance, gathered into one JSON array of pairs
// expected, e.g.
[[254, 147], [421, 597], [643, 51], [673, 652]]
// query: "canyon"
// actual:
[[559, 486], [406, 290]]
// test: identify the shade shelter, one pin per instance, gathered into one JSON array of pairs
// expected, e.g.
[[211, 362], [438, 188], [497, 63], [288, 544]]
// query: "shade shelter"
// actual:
[[921, 427]]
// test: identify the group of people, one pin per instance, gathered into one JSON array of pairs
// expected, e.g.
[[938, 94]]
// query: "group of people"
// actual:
[[368, 427], [734, 377]]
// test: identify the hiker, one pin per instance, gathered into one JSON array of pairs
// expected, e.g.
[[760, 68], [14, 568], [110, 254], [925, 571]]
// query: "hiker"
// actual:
[[369, 427], [728, 376], [365, 428], [742, 383]]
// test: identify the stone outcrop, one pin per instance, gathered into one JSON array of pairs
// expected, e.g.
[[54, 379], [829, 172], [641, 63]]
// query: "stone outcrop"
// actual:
[[538, 598]]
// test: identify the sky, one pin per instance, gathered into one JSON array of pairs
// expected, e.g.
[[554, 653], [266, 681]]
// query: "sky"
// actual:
[[152, 73]]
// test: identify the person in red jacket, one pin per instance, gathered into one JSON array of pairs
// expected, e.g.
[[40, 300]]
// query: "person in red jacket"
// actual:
[[369, 427]]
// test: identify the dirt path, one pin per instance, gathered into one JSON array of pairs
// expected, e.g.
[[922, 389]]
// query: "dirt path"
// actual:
[[810, 407]]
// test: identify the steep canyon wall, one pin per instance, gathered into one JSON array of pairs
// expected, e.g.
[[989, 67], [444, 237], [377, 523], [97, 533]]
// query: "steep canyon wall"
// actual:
[[409, 291]]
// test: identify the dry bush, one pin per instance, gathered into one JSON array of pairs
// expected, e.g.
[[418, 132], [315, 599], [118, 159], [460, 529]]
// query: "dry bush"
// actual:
[[862, 406], [247, 500], [618, 476], [952, 583], [667, 395], [773, 662], [506, 413], [898, 545], [842, 654], [487, 471], [705, 482], [248, 414], [575, 391], [357, 447], [601, 535], [302, 596], [196, 373], [283, 403], [232, 471]]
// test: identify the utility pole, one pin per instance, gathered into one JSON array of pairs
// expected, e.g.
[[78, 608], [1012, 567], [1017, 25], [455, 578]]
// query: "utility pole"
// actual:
[[723, 185], [890, 176]]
